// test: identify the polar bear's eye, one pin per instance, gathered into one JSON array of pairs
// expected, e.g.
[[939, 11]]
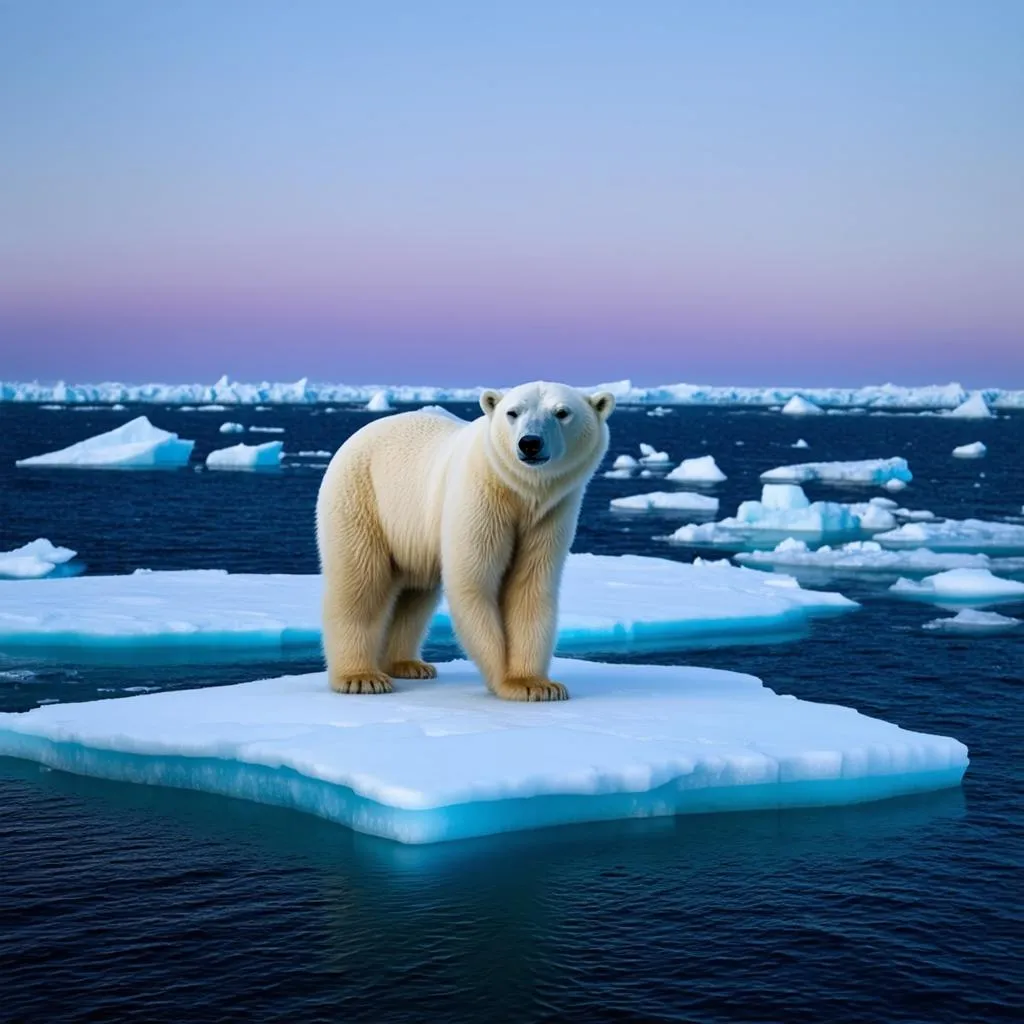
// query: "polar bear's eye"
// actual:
[[561, 414], [512, 414]]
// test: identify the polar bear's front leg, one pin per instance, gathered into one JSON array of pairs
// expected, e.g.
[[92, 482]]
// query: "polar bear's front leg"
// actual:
[[529, 606]]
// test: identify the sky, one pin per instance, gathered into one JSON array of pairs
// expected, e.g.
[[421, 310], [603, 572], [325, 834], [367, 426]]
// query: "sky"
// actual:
[[710, 191]]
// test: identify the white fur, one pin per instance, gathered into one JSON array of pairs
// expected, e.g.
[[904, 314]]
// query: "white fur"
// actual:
[[422, 498]]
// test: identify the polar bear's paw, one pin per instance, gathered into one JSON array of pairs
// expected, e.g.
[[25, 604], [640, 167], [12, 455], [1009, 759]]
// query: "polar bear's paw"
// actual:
[[531, 689], [411, 669], [367, 681]]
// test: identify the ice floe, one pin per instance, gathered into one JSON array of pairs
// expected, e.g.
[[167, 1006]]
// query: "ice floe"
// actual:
[[667, 501], [379, 402], [703, 470], [134, 445], [973, 408], [231, 428], [969, 620], [977, 535], [246, 456], [870, 472], [444, 760], [970, 451], [961, 586], [799, 406], [34, 560]]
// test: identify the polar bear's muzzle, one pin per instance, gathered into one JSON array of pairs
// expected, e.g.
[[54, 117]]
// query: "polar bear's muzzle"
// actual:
[[531, 450]]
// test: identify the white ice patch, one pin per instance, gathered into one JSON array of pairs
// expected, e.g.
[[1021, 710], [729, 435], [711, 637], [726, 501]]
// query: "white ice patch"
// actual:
[[667, 501], [974, 408], [801, 443], [976, 535], [961, 586], [703, 470], [231, 428], [799, 406], [318, 454], [134, 445], [379, 402], [970, 451], [606, 603], [266, 430], [969, 620], [246, 456], [626, 462], [870, 472], [34, 560], [650, 456], [443, 759]]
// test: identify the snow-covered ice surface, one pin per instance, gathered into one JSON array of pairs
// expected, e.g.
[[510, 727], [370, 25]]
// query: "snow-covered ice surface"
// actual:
[[443, 759], [973, 408], [667, 501], [304, 392], [379, 402], [973, 535], [961, 586], [976, 450], [970, 620], [246, 456], [870, 472], [34, 560], [702, 470], [134, 445], [868, 556], [607, 603], [799, 406]]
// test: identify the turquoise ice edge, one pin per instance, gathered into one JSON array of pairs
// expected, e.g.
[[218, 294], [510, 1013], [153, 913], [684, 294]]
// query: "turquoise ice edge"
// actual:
[[285, 787]]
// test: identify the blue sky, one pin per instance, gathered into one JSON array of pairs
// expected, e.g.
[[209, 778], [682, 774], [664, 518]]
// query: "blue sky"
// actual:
[[776, 192]]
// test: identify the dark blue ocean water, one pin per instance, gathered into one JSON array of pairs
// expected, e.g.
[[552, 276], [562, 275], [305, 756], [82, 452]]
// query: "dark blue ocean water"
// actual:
[[122, 902]]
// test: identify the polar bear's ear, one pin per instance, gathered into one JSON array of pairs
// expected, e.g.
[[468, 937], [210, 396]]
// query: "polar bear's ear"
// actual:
[[489, 401], [602, 403]]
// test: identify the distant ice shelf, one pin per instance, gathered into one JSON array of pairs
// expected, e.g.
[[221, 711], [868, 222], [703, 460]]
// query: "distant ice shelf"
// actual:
[[228, 392], [444, 760], [607, 603]]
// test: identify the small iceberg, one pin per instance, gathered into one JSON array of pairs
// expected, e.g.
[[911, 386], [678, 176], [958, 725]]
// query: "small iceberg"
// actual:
[[969, 620], [266, 430], [800, 406], [976, 535], [659, 410], [246, 456], [970, 451], [870, 472], [801, 443], [667, 501], [961, 586], [625, 462], [650, 456], [318, 454], [442, 759], [34, 560], [975, 408], [231, 428], [379, 402], [703, 470], [135, 445]]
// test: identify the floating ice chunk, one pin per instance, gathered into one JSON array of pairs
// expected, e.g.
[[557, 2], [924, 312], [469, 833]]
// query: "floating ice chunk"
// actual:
[[970, 451], [625, 462], [443, 760], [799, 406], [34, 560], [650, 456], [379, 402], [659, 411], [895, 485], [246, 456], [958, 535], [868, 556], [619, 474], [667, 501], [969, 620], [607, 603], [975, 408], [118, 407], [801, 443], [868, 471], [961, 586], [134, 445], [703, 470], [318, 454], [211, 407], [266, 430], [231, 428], [52, 408]]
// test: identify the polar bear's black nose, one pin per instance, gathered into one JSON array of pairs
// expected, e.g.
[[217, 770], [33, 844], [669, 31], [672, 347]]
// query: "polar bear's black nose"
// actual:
[[530, 445]]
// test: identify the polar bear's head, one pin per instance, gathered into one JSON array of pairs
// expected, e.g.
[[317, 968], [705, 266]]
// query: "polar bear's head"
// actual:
[[544, 431]]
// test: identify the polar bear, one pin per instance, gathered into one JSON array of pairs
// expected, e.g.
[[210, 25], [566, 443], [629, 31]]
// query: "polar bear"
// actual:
[[487, 508]]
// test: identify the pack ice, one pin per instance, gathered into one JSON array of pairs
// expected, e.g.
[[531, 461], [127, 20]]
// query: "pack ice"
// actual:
[[976, 535], [443, 759], [870, 472], [606, 603], [136, 444], [961, 586]]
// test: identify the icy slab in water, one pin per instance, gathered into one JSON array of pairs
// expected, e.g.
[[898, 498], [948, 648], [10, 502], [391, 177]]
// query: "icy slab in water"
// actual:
[[868, 556], [974, 408], [650, 456], [606, 603], [799, 406], [379, 402], [961, 586], [703, 470], [667, 501], [443, 759], [247, 456], [134, 445], [976, 535], [970, 451], [871, 472], [231, 428], [968, 620], [34, 560]]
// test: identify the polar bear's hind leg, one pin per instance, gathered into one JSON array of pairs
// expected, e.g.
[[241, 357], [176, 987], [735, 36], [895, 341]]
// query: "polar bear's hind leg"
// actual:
[[411, 618]]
